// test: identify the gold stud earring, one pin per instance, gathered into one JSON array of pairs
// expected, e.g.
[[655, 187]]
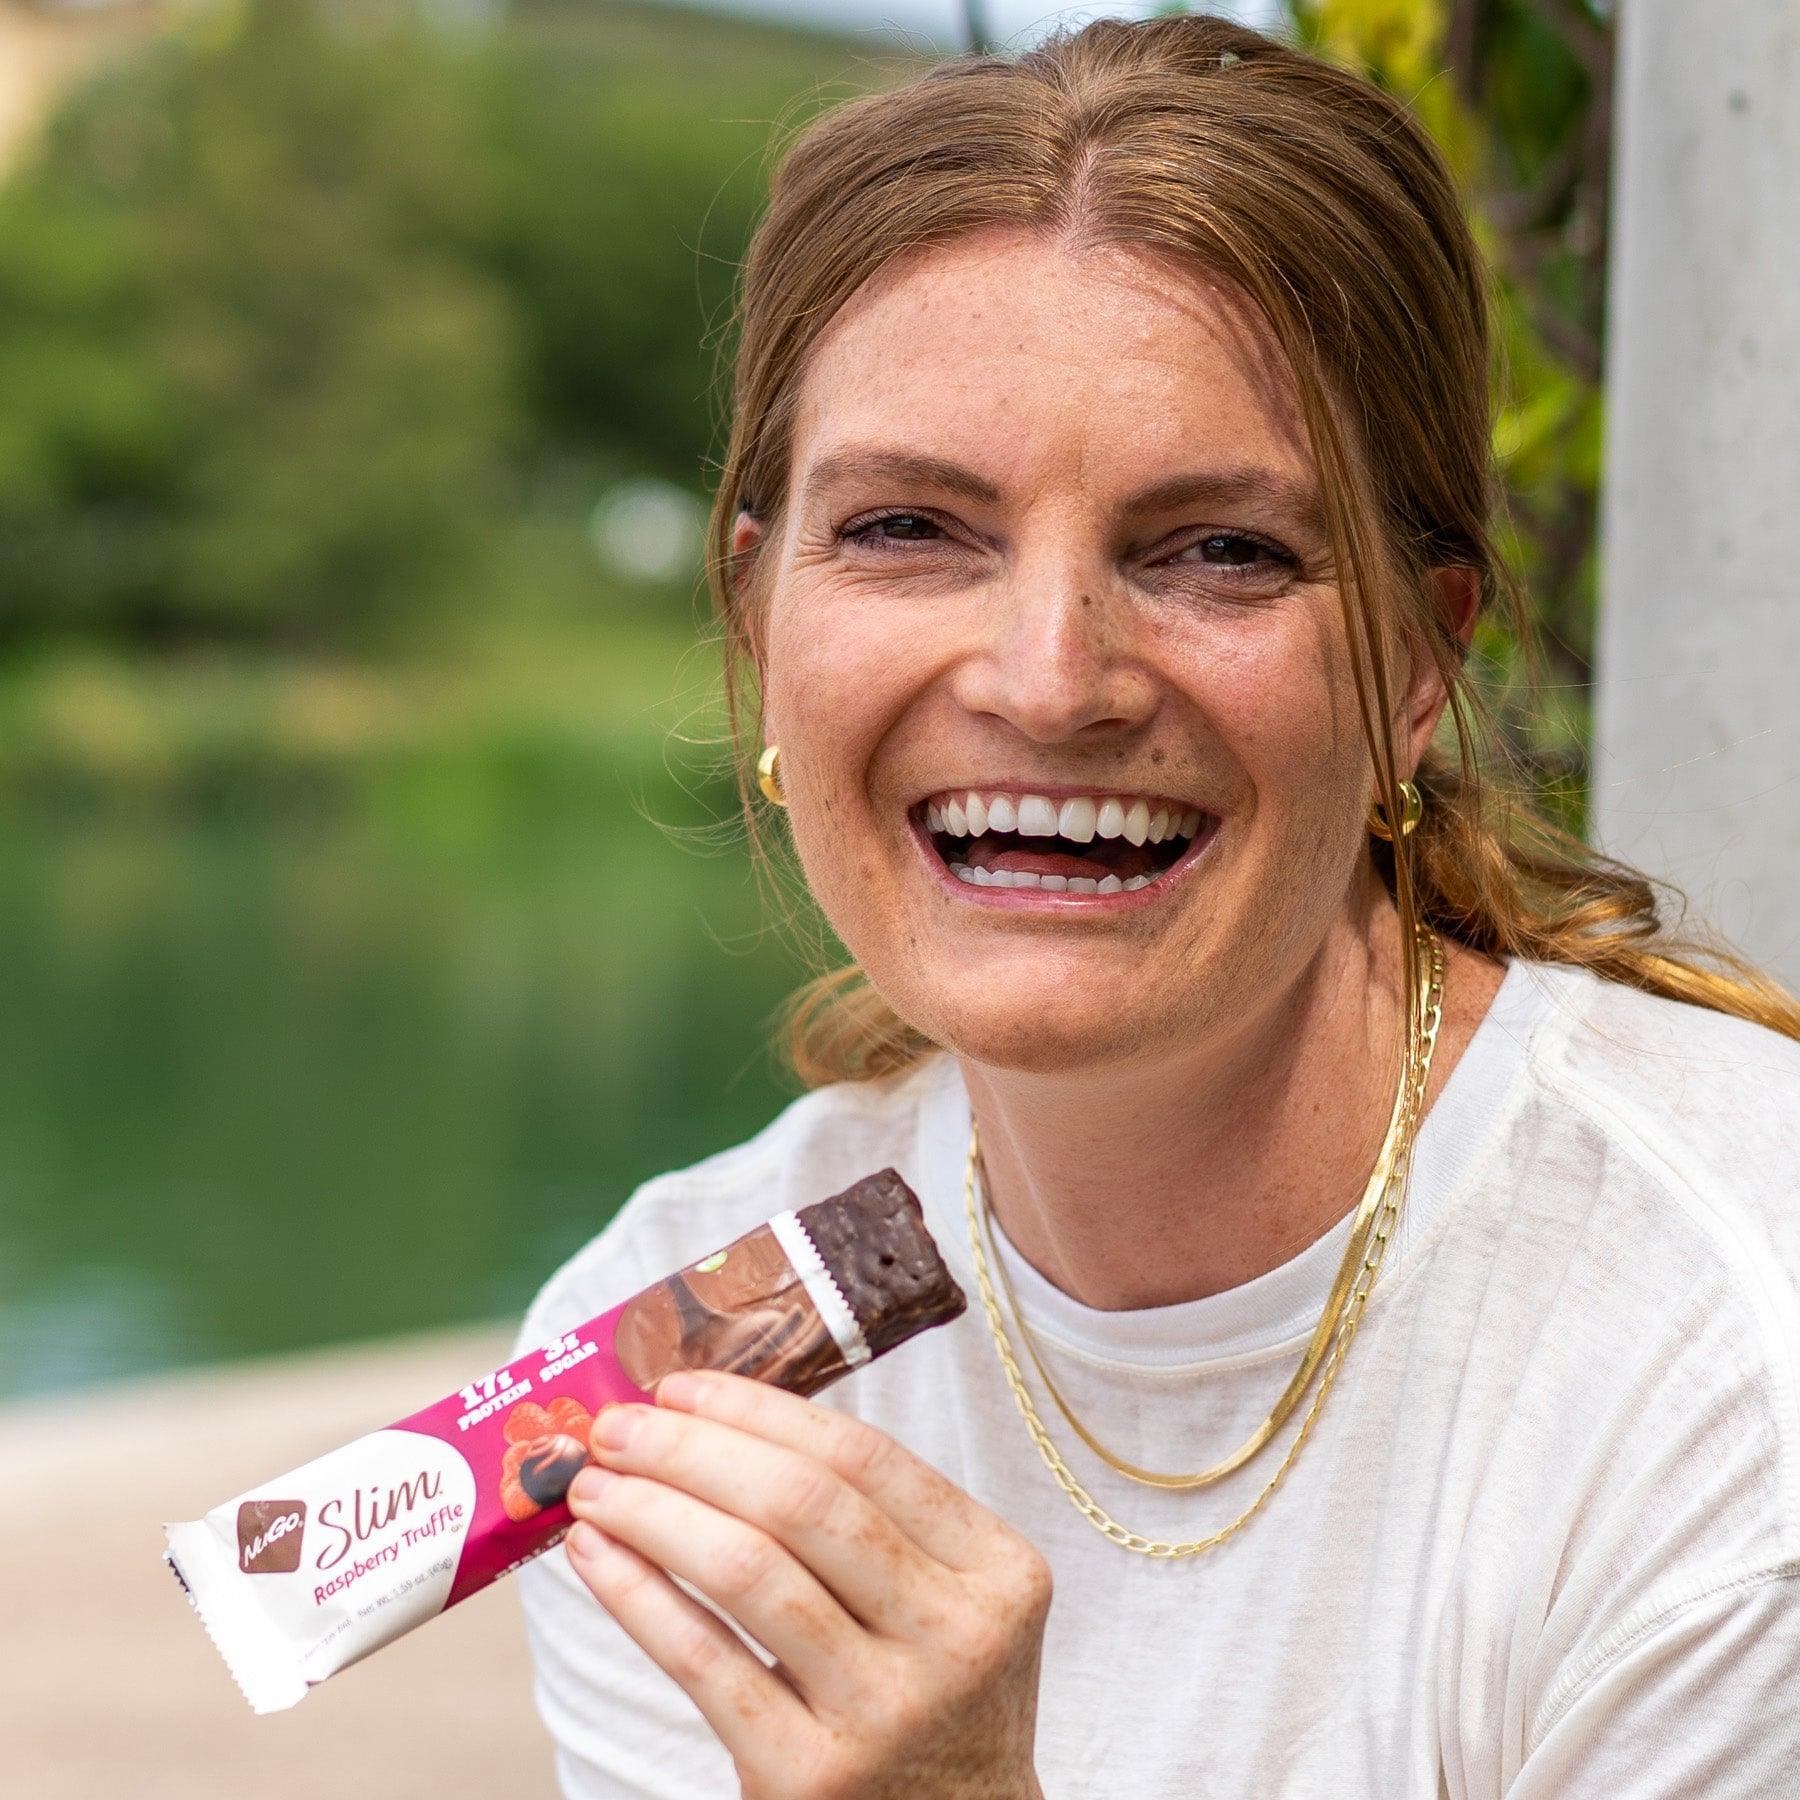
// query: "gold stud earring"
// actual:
[[768, 775], [1415, 809]]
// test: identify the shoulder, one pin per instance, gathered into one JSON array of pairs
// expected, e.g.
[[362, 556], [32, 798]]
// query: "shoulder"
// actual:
[[1707, 1106], [1653, 1162], [1687, 1118], [816, 1145], [1629, 1263]]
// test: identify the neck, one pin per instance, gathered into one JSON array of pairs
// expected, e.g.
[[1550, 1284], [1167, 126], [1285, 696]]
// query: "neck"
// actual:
[[1153, 1185]]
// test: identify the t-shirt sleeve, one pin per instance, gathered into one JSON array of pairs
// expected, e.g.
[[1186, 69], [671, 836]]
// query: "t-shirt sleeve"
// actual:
[[621, 1728], [1704, 1699]]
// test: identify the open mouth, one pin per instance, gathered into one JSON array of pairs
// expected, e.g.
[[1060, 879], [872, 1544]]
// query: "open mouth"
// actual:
[[1076, 844]]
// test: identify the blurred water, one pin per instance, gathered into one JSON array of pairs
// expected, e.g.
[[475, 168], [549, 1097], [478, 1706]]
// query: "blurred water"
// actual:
[[266, 1085]]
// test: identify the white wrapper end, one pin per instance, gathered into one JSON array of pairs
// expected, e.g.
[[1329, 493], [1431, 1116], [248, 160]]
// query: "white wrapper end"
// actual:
[[262, 1662], [840, 1321]]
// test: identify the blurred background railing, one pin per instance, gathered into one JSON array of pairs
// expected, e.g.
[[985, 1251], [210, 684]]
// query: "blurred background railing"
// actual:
[[373, 915]]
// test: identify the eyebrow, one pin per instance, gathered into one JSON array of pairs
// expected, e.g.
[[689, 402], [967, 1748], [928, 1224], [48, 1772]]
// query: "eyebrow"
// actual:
[[1224, 487]]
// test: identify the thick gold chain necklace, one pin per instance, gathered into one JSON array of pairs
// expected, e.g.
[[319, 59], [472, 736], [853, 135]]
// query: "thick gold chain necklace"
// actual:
[[1369, 1234]]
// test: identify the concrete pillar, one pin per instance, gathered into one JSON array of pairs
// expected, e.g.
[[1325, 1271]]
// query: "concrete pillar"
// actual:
[[1697, 727]]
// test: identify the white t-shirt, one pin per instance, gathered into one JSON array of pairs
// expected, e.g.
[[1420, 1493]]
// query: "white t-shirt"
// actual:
[[1544, 1540]]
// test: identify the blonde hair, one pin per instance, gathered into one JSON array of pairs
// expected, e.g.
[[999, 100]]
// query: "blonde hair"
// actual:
[[1320, 198]]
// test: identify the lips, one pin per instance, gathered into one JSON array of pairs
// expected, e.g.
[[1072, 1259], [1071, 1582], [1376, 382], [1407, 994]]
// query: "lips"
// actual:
[[1078, 844]]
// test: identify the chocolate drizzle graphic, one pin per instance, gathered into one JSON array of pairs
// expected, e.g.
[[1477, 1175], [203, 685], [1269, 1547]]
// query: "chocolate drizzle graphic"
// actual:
[[549, 1465], [746, 1311]]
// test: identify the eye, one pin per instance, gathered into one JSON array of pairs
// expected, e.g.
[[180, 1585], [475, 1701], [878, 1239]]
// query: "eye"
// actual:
[[1236, 550], [868, 531]]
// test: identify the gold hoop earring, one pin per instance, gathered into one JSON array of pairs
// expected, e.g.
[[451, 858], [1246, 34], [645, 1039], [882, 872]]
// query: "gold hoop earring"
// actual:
[[768, 775], [1415, 810]]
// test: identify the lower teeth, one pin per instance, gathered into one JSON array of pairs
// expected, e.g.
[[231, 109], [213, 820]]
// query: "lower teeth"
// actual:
[[1075, 884]]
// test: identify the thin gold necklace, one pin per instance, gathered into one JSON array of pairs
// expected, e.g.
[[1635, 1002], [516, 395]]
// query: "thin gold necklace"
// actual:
[[1337, 1324], [1386, 1165]]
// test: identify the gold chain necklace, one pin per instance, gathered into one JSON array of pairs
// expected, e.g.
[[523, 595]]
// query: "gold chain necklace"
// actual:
[[1397, 1136], [1337, 1325]]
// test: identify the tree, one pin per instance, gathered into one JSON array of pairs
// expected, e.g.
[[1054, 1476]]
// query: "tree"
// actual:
[[310, 312], [253, 380]]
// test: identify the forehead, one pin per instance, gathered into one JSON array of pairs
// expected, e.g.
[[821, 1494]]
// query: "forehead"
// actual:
[[1041, 364]]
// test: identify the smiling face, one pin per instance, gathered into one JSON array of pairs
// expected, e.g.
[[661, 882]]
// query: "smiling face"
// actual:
[[1051, 643]]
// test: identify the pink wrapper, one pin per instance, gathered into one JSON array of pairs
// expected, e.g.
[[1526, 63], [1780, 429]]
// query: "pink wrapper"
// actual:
[[311, 1571]]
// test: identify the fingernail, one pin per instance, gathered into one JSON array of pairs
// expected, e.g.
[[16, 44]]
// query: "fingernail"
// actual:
[[589, 1485], [612, 1428], [584, 1541], [679, 1389]]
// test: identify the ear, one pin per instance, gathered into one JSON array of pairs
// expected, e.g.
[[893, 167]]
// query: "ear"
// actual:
[[1456, 599], [747, 533]]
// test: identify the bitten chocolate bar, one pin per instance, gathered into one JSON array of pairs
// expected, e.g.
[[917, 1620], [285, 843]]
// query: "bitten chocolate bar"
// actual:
[[311, 1571]]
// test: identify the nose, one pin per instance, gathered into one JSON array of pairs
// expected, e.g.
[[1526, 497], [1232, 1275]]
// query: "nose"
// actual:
[[1056, 660]]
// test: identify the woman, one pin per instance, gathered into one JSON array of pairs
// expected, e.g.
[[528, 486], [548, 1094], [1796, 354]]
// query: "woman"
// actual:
[[1104, 523]]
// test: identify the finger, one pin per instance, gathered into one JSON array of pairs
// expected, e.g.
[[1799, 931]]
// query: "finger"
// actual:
[[740, 1698], [879, 1575], [740, 1568], [935, 1513]]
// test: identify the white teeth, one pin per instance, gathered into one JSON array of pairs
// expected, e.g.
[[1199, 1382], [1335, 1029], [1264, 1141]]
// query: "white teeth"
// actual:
[[1076, 821], [1081, 819], [1054, 884]]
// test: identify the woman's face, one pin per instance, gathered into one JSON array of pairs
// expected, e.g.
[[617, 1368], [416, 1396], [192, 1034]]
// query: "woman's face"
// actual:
[[1052, 539]]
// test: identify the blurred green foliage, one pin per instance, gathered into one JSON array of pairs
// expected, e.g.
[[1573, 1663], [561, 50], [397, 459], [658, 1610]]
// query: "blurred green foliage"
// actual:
[[259, 384], [322, 327], [1518, 94]]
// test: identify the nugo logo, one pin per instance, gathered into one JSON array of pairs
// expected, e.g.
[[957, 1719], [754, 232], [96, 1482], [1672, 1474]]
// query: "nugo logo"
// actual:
[[269, 1533]]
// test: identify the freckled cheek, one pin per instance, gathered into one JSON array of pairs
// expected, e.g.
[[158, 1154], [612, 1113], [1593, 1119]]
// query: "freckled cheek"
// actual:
[[1289, 722], [838, 681]]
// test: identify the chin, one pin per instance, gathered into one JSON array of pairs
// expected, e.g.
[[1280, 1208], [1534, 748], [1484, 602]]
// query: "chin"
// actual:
[[1042, 1032]]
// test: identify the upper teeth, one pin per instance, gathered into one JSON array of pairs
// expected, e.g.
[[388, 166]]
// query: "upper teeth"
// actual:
[[972, 813]]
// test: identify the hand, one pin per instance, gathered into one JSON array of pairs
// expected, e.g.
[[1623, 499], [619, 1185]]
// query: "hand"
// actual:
[[906, 1619]]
